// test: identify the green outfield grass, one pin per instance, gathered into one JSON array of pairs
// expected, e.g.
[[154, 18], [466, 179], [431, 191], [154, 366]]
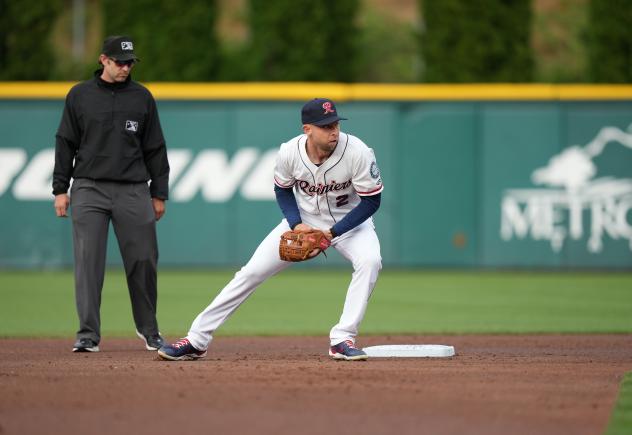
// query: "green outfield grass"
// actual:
[[621, 419], [309, 302]]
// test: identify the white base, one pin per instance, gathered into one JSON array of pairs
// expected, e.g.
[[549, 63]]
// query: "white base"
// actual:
[[410, 351]]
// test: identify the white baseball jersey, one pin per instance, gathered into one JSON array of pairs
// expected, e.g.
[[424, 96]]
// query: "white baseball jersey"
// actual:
[[328, 192], [324, 194]]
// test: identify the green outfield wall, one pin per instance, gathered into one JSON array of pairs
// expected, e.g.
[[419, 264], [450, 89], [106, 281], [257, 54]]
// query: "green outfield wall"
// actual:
[[474, 175]]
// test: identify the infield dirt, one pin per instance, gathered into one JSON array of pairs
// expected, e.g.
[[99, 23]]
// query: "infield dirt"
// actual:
[[558, 384]]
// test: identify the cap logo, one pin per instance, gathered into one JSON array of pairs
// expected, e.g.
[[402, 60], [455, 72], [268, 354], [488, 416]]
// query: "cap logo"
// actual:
[[327, 107], [127, 45]]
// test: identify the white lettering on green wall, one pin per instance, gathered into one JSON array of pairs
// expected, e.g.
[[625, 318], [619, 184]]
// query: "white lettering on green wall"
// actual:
[[211, 173], [575, 199]]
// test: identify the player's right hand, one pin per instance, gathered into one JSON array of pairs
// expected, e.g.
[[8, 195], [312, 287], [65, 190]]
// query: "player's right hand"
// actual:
[[62, 201], [302, 228]]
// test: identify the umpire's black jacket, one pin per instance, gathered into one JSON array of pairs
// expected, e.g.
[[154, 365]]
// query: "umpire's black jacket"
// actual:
[[113, 133]]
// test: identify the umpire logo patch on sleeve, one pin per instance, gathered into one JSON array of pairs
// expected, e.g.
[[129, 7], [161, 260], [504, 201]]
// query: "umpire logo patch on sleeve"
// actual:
[[131, 126]]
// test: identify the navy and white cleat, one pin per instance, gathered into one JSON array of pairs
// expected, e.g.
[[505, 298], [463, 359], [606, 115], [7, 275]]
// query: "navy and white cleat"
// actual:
[[181, 350], [347, 351]]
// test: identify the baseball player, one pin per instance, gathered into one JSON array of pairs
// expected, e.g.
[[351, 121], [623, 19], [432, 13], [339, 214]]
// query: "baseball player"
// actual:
[[324, 179]]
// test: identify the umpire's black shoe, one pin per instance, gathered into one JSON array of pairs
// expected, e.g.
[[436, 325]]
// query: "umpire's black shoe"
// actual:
[[85, 345], [152, 342]]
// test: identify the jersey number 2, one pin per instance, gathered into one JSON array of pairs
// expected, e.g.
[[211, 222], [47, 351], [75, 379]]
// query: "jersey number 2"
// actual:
[[342, 200]]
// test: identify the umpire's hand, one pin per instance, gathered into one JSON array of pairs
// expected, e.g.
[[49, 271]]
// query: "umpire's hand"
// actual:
[[61, 204], [159, 207]]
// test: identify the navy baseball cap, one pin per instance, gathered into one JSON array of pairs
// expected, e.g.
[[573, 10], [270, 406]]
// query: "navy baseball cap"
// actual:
[[320, 111], [119, 48]]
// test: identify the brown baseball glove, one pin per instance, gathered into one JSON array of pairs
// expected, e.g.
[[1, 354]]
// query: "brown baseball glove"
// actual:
[[301, 246]]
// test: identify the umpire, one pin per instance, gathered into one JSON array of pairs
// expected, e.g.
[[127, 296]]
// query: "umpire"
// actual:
[[111, 144]]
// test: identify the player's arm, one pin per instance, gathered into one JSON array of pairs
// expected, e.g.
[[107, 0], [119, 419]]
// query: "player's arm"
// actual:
[[287, 202], [366, 178], [361, 212], [283, 186]]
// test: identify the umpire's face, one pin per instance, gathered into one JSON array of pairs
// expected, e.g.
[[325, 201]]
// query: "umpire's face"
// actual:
[[115, 71]]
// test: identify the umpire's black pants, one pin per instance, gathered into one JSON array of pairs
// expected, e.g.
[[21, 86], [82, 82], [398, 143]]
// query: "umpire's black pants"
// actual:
[[128, 205]]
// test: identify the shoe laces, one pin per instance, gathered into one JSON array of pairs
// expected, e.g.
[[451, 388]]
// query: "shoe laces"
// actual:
[[181, 342], [350, 344]]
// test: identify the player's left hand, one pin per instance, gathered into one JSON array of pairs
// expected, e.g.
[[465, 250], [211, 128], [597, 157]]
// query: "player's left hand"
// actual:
[[159, 207], [301, 245]]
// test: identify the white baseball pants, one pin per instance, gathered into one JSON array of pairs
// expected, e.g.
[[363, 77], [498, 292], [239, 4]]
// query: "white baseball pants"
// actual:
[[360, 246]]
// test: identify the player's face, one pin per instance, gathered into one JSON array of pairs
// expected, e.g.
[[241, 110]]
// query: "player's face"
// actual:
[[114, 71], [324, 138]]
